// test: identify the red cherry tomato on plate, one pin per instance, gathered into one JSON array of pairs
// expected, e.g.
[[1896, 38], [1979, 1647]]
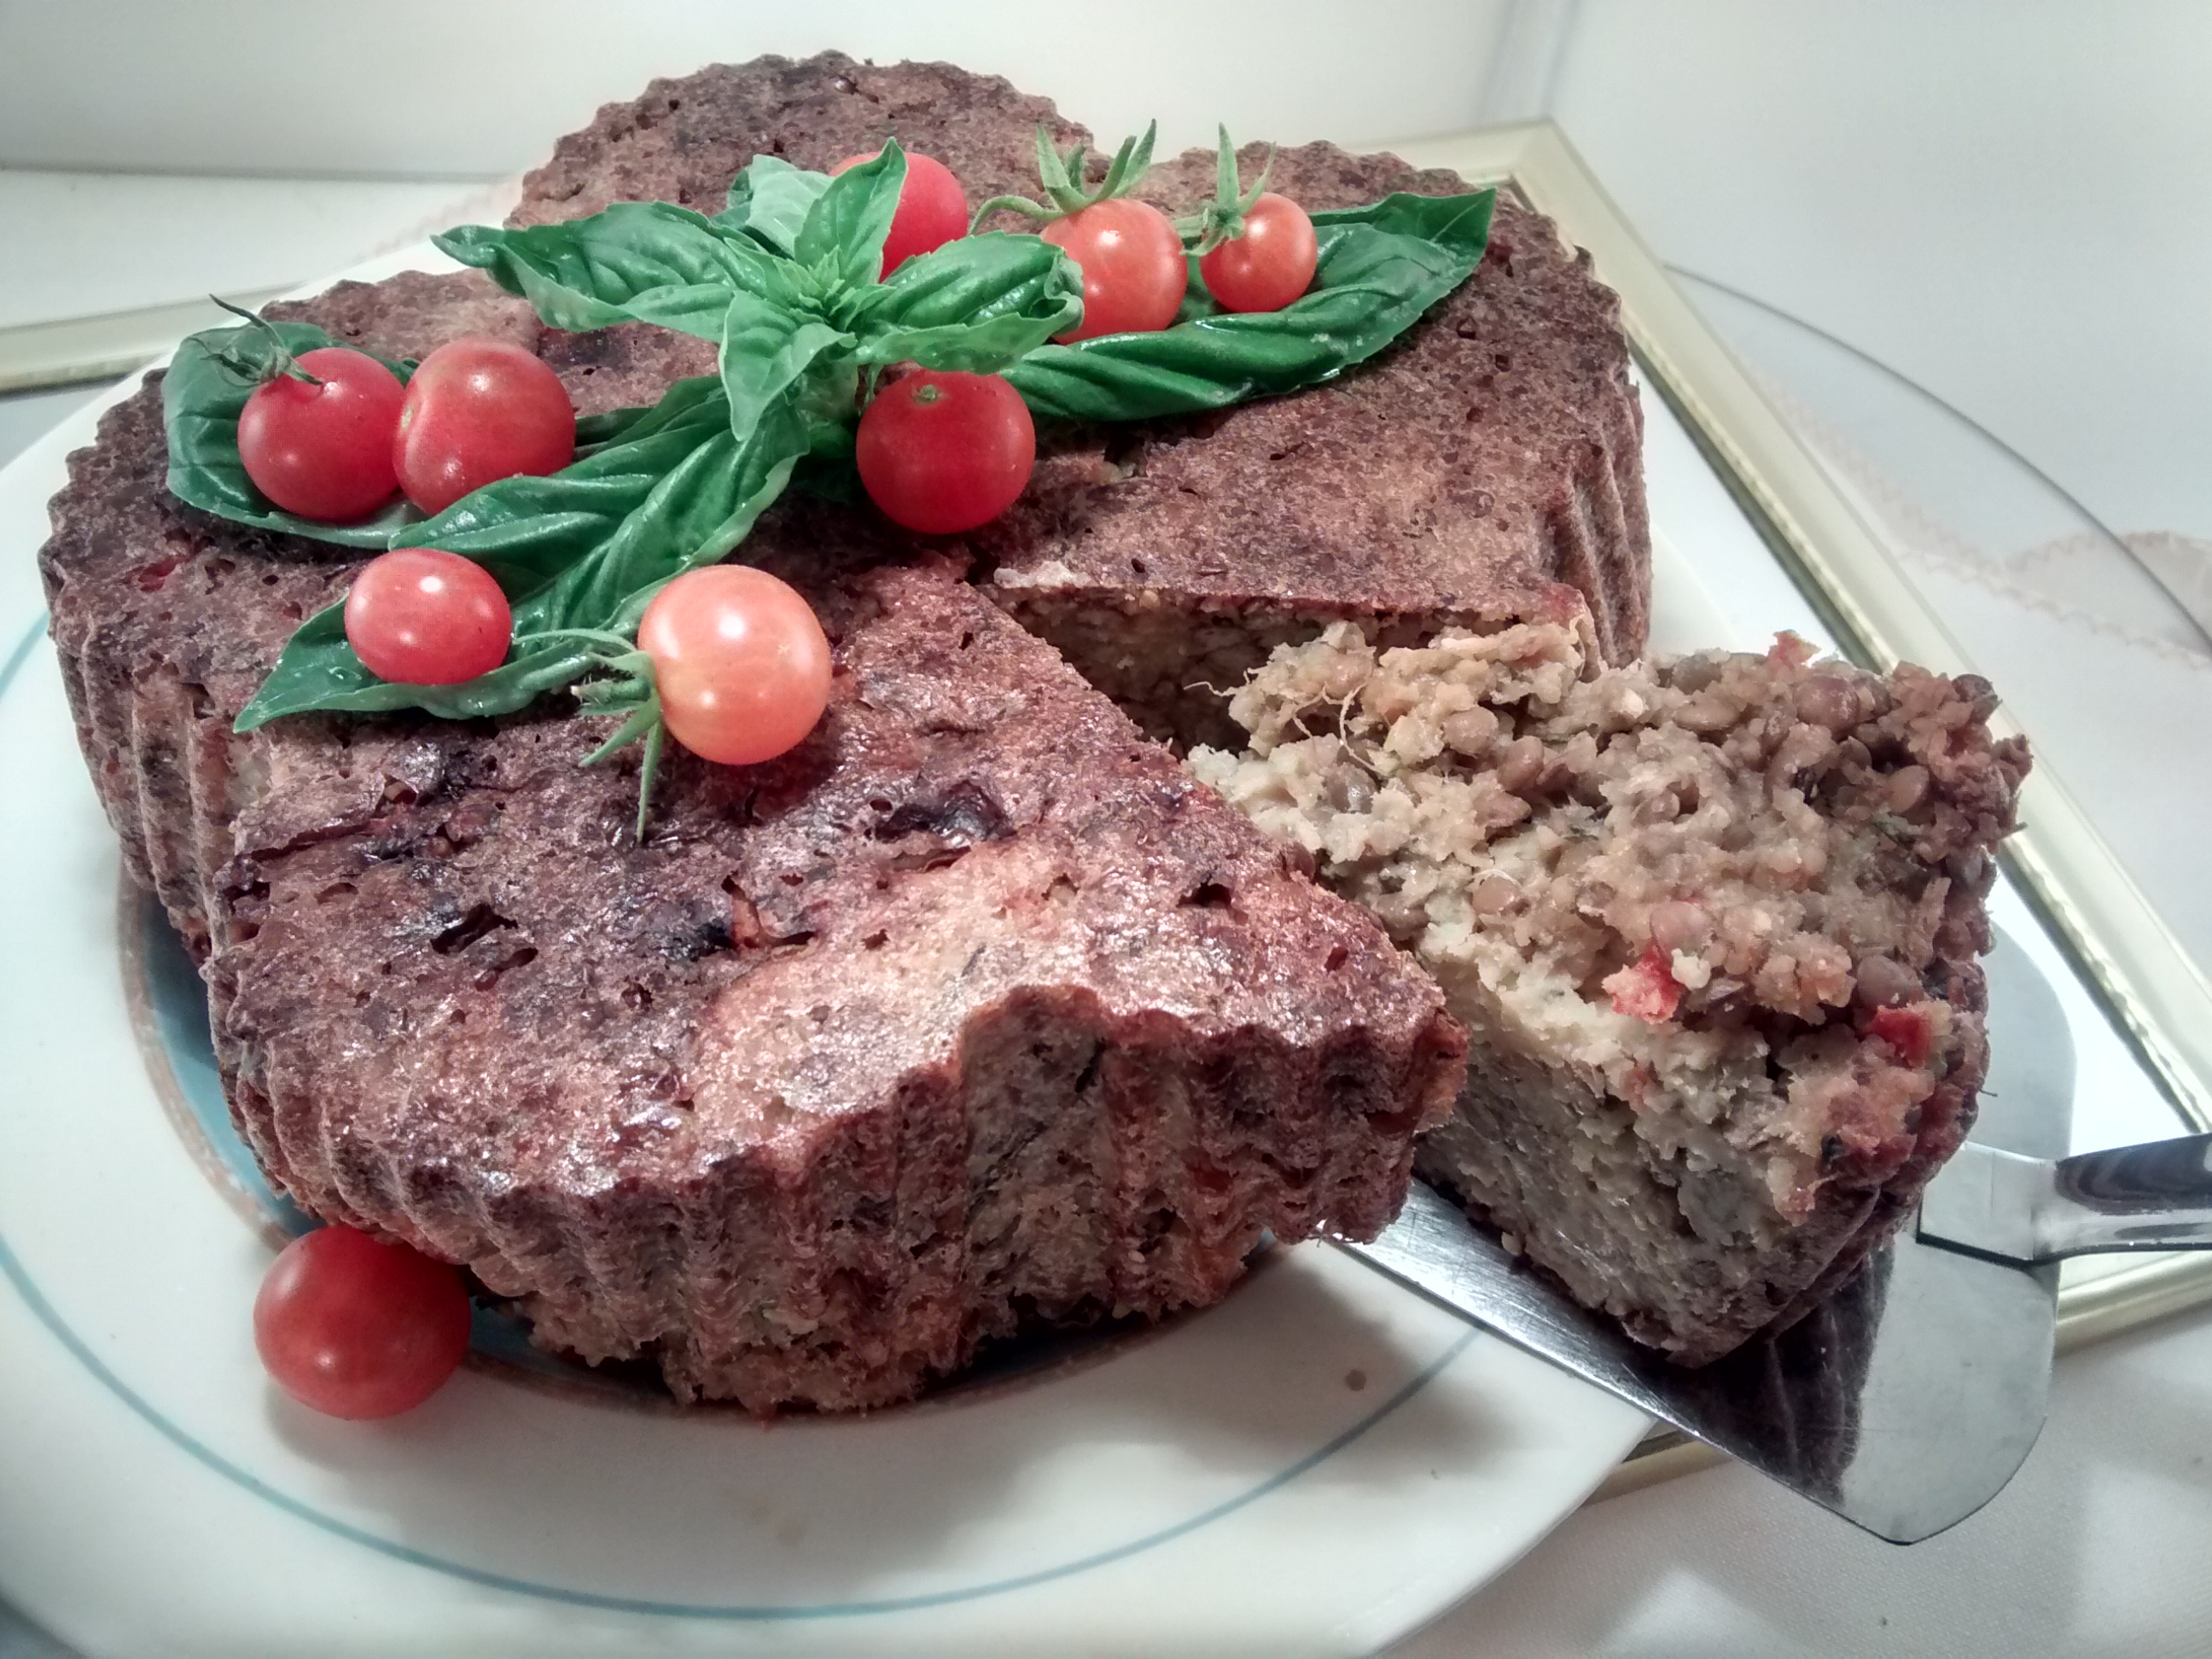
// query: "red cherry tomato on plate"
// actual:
[[420, 616], [741, 662], [944, 452], [933, 209], [324, 452], [477, 411], [1270, 264], [354, 1325], [1132, 259]]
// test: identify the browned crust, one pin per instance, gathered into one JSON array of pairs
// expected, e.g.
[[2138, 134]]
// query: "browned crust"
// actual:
[[683, 140], [1486, 468]]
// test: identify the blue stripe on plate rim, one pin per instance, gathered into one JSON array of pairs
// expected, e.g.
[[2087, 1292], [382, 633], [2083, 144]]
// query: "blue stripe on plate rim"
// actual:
[[51, 1317]]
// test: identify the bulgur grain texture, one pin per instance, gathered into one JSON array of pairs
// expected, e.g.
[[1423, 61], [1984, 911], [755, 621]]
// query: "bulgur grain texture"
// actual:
[[1711, 921]]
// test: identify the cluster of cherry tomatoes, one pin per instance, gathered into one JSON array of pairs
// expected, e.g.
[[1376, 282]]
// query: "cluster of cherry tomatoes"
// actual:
[[1134, 275], [336, 440], [338, 444], [740, 662], [945, 453]]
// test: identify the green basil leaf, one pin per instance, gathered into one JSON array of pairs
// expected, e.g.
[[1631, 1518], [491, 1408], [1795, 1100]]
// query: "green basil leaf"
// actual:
[[770, 200], [694, 517], [528, 531], [586, 548], [646, 261], [975, 304], [595, 432], [201, 402], [843, 235], [1460, 224], [765, 350], [1381, 268], [318, 672]]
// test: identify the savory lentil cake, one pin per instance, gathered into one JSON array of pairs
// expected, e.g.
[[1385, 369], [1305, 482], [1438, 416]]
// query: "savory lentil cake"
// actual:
[[977, 1007], [866, 1054], [1712, 923]]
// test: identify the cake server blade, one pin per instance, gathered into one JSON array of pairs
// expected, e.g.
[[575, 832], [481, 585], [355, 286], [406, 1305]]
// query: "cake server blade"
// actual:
[[1905, 1402]]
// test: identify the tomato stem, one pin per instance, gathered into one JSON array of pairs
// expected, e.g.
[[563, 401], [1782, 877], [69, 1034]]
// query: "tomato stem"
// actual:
[[633, 689], [1061, 177], [1222, 220], [271, 362]]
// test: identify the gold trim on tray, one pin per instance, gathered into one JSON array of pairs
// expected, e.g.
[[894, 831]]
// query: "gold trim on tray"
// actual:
[[2158, 996]]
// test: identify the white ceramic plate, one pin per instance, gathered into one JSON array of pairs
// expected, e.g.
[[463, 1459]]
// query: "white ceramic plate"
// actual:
[[1318, 1465]]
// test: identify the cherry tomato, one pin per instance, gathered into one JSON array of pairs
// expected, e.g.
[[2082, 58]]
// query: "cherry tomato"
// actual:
[[477, 411], [1133, 273], [1907, 1030], [941, 452], [324, 452], [353, 1326], [933, 209], [1270, 264], [741, 662], [1647, 988], [420, 616]]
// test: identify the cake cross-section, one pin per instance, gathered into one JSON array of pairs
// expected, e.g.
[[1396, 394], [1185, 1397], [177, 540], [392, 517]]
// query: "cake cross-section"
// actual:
[[1712, 923]]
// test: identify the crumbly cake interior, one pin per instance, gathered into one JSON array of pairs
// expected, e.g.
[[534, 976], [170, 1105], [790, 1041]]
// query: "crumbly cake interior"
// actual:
[[1705, 919], [1173, 667]]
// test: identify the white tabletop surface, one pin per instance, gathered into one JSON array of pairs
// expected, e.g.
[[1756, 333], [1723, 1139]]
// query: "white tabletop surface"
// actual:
[[2006, 203]]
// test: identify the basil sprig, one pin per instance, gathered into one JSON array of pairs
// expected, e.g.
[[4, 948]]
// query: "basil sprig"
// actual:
[[784, 281], [778, 291], [580, 554], [1381, 267]]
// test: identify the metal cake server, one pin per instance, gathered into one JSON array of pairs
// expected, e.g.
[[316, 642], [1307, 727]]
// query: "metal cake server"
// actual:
[[1907, 1401]]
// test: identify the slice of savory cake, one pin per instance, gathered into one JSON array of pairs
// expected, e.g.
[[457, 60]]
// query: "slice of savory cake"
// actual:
[[1711, 922]]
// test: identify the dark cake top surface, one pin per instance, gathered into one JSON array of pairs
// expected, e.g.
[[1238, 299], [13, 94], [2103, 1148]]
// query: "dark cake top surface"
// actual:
[[683, 140], [488, 962], [1451, 475], [446, 934]]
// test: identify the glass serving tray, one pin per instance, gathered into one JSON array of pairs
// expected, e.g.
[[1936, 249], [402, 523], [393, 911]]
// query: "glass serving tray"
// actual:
[[1757, 528], [1853, 518]]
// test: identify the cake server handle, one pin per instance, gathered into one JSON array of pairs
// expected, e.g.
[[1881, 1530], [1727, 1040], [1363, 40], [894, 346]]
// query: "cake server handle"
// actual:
[[2153, 1196]]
